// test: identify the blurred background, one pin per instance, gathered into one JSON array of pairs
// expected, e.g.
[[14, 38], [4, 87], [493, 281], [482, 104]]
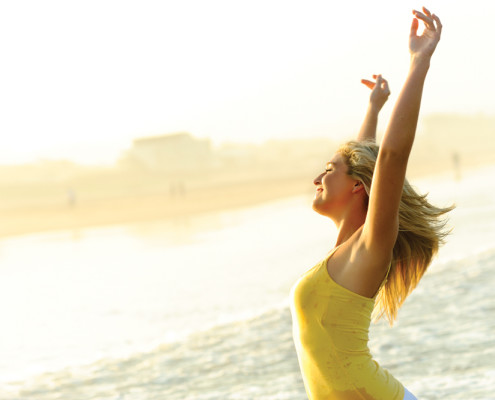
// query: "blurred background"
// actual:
[[156, 177]]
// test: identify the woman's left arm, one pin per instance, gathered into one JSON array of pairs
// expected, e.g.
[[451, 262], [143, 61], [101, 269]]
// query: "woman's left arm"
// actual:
[[379, 95], [382, 220]]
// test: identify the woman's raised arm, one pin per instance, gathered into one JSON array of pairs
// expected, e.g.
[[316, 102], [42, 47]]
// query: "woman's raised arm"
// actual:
[[381, 226], [379, 95]]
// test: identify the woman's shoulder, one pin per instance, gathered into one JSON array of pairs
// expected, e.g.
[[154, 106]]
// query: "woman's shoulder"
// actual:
[[354, 267]]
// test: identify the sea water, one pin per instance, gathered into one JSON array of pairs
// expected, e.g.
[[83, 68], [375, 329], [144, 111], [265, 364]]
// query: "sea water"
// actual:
[[197, 308]]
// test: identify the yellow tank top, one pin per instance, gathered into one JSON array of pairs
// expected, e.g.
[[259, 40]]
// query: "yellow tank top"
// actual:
[[330, 328]]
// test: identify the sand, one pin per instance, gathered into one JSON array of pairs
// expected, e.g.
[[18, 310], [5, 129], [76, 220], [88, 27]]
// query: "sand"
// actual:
[[122, 210], [117, 199]]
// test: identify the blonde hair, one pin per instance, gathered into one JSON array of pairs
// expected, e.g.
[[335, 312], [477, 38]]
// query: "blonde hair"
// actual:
[[421, 231]]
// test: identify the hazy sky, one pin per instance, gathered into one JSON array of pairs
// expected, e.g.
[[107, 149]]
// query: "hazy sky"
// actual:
[[80, 80]]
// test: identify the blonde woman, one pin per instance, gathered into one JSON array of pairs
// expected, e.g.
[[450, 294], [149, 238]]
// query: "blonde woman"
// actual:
[[387, 236]]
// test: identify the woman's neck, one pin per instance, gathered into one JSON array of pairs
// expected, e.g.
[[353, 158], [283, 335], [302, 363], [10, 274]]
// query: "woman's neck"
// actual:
[[348, 225]]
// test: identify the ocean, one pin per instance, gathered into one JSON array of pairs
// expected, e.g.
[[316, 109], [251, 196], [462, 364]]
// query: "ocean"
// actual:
[[197, 308]]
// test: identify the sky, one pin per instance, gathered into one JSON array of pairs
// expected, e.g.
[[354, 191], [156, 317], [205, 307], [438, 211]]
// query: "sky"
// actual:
[[80, 80]]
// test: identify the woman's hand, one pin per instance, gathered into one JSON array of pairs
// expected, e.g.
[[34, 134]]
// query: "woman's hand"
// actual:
[[378, 97], [422, 47], [379, 92]]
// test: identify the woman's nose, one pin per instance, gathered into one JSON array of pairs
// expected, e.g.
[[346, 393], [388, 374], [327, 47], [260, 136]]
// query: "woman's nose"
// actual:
[[317, 180]]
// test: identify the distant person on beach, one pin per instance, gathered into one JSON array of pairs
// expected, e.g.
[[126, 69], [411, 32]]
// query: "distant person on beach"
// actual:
[[456, 160], [387, 237], [71, 197]]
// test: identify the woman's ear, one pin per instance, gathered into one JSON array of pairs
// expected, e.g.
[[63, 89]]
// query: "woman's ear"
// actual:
[[358, 186]]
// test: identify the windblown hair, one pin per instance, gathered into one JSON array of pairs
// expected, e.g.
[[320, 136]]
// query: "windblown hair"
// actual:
[[421, 231]]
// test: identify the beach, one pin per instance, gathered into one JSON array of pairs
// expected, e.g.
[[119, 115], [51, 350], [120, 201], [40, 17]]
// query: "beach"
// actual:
[[60, 195], [116, 209], [197, 308], [116, 198], [160, 169]]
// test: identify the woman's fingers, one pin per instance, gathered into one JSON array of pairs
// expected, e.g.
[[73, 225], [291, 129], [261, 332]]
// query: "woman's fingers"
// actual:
[[425, 18], [385, 87], [380, 83], [414, 27], [427, 12], [425, 43], [379, 91], [431, 21], [439, 24], [368, 83]]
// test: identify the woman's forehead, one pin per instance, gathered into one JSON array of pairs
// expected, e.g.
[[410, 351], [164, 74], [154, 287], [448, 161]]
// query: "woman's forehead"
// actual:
[[337, 159]]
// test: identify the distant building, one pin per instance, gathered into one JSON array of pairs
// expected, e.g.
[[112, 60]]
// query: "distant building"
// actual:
[[233, 155], [177, 152]]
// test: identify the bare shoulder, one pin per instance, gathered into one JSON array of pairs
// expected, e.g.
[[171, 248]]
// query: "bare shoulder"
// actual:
[[356, 268]]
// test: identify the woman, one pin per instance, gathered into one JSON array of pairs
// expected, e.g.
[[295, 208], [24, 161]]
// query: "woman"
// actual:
[[387, 236]]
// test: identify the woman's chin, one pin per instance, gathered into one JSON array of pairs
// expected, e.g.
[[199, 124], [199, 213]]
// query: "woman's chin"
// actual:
[[321, 207], [317, 206]]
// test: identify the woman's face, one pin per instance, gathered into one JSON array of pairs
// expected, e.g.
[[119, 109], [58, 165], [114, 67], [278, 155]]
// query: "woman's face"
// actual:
[[334, 187]]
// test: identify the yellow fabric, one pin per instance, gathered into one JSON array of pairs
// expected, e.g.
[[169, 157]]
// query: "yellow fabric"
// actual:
[[331, 326]]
